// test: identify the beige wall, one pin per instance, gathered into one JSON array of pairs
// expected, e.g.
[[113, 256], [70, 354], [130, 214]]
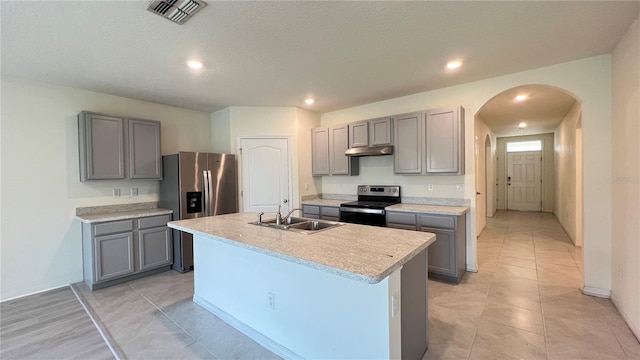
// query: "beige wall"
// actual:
[[41, 188], [625, 176], [566, 152], [547, 169]]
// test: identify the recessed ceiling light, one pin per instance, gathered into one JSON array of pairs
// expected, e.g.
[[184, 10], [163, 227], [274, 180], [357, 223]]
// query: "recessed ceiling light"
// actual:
[[309, 101], [451, 65], [194, 64], [522, 125], [521, 97]]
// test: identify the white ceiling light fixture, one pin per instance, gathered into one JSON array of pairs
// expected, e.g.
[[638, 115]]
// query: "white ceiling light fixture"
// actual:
[[521, 97], [522, 125], [454, 64], [309, 101], [178, 11], [195, 64]]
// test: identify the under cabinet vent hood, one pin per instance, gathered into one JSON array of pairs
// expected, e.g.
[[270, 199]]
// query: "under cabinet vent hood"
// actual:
[[178, 11], [370, 151]]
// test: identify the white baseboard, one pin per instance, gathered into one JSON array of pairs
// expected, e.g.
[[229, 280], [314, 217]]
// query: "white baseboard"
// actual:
[[625, 317], [266, 342], [40, 291], [472, 268], [597, 292]]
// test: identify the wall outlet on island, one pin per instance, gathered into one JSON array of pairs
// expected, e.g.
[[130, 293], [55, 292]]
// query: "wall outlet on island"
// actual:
[[430, 187], [459, 187], [134, 192], [116, 193], [271, 301]]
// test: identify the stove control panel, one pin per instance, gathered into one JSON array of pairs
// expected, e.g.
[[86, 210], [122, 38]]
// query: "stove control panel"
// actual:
[[382, 190]]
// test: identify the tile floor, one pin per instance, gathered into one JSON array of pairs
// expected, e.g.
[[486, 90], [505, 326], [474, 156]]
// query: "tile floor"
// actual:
[[524, 303]]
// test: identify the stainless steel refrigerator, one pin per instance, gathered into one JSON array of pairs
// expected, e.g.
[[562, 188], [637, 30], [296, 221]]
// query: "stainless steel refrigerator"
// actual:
[[195, 185]]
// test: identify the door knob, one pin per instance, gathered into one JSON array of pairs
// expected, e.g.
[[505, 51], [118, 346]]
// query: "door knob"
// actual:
[[285, 201], [477, 193]]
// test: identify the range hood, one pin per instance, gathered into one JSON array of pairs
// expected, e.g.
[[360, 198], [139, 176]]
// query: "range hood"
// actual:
[[370, 151]]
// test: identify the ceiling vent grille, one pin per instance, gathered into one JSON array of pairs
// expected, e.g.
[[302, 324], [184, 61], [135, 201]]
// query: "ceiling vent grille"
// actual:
[[178, 11]]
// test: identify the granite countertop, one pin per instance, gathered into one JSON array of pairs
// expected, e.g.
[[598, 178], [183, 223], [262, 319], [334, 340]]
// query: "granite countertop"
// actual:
[[121, 215], [363, 253], [325, 202], [429, 209]]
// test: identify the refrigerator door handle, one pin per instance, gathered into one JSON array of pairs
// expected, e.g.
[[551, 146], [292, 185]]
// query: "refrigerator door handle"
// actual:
[[206, 185]]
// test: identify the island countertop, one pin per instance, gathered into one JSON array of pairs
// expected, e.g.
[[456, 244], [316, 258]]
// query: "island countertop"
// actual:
[[363, 253]]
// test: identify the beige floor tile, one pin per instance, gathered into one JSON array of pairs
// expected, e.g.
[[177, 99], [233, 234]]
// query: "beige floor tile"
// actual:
[[523, 263], [228, 343], [462, 300], [260, 353], [593, 335], [447, 326], [520, 254], [508, 271], [517, 317], [446, 351], [552, 274], [514, 297], [478, 353], [510, 341], [569, 350], [555, 257]]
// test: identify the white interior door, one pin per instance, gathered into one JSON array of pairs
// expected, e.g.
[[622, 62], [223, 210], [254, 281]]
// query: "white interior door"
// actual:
[[524, 181], [265, 174]]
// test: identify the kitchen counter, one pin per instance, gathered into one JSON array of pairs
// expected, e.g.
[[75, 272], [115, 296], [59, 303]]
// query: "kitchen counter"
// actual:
[[359, 252], [352, 291], [122, 215], [429, 209]]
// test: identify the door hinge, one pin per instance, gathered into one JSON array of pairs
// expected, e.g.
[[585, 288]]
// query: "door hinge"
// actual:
[[240, 150], [241, 193]]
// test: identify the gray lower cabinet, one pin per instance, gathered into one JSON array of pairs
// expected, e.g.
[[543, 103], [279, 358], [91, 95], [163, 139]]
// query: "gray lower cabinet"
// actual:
[[117, 251], [331, 213], [112, 147], [447, 255]]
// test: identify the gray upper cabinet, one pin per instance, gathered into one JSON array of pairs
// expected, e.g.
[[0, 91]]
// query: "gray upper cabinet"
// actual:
[[380, 131], [101, 145], [408, 143], [444, 145], [359, 134], [327, 154], [108, 145], [320, 151], [145, 157]]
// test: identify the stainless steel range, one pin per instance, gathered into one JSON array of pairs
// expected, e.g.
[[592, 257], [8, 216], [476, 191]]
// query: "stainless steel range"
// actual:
[[369, 209]]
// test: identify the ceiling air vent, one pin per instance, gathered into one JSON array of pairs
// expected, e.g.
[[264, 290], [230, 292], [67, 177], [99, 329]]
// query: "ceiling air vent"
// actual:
[[178, 11]]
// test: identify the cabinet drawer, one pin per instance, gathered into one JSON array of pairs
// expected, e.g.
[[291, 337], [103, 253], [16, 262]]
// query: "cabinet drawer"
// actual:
[[154, 221], [401, 218], [442, 222], [113, 227], [402, 226], [310, 209], [330, 211]]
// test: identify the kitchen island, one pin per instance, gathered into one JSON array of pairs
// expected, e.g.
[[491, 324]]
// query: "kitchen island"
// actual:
[[351, 291]]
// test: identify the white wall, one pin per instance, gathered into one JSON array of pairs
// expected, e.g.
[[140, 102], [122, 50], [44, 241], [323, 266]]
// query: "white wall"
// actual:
[[547, 169], [294, 123], [588, 80], [625, 176], [41, 188], [485, 177], [567, 171]]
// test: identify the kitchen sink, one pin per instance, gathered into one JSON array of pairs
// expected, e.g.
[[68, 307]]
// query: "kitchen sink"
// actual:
[[299, 225]]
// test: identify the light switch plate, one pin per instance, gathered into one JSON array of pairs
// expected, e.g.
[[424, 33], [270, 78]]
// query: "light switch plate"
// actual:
[[116, 192], [430, 187]]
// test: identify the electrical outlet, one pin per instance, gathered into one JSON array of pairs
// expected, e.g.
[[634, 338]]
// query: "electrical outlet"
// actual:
[[395, 304], [134, 192], [116, 193], [271, 301], [430, 187], [459, 187]]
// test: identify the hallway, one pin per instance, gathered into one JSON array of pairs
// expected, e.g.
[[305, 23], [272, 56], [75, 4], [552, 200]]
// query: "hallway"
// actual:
[[525, 301]]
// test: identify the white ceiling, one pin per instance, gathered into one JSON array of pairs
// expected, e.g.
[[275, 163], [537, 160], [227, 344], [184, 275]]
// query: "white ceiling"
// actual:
[[277, 53]]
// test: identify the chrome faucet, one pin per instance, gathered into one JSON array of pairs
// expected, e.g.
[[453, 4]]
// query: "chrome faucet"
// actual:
[[260, 217], [289, 214], [279, 216]]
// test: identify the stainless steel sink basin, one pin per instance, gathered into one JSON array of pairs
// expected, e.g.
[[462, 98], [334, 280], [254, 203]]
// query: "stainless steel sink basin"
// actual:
[[299, 225]]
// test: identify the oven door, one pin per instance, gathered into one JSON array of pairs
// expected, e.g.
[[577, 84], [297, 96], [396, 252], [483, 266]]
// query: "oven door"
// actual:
[[375, 217]]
